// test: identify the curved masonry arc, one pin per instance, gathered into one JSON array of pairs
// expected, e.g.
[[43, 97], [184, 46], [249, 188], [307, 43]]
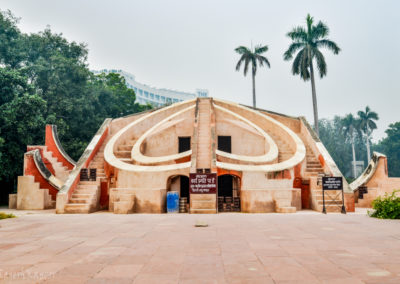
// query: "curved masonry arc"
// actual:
[[262, 161]]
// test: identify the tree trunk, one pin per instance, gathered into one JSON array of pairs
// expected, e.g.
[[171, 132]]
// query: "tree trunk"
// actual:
[[254, 89], [368, 150], [314, 99], [354, 155]]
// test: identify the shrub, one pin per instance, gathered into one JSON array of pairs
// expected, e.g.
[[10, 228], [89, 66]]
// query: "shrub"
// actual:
[[387, 207], [6, 216]]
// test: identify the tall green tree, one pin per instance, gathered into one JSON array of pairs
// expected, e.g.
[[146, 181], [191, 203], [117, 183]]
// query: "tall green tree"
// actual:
[[253, 57], [44, 78], [307, 42], [350, 128], [11, 41], [390, 146], [367, 125], [339, 144]]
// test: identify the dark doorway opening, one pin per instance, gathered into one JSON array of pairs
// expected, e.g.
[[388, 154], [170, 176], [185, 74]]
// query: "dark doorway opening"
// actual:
[[185, 187], [229, 193], [180, 184], [225, 185], [184, 144], [225, 143]]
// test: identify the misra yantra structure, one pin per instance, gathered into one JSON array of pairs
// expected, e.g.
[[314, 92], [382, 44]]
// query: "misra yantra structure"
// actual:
[[218, 155]]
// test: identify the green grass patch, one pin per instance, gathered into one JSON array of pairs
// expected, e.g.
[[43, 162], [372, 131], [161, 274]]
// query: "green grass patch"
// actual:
[[6, 216], [386, 207]]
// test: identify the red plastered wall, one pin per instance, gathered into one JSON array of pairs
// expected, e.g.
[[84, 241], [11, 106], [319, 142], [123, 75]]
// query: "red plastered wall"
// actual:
[[52, 147], [32, 170]]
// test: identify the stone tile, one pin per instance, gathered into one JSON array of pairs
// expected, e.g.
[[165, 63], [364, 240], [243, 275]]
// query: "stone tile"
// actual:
[[67, 279], [120, 271], [160, 267], [154, 278], [201, 271], [82, 269], [29, 259], [245, 271], [339, 280], [235, 248], [109, 281], [49, 268]]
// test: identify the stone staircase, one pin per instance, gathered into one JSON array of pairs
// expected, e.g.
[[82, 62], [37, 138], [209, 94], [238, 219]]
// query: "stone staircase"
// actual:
[[283, 201], [41, 194], [313, 166], [315, 171], [123, 151], [203, 203], [330, 205], [60, 171], [85, 198], [365, 197], [284, 151], [204, 135]]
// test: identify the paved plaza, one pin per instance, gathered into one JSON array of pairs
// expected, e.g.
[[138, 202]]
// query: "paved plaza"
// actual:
[[306, 247]]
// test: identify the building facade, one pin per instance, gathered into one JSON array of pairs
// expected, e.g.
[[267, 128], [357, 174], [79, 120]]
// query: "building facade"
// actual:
[[216, 156], [157, 97]]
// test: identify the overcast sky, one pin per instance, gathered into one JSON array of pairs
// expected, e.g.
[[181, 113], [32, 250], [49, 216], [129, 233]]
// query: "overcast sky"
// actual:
[[186, 45]]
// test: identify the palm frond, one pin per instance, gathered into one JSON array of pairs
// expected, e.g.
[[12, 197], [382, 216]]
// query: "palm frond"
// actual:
[[372, 125], [263, 60], [242, 50], [294, 46], [259, 49], [241, 60], [304, 65], [367, 119], [373, 115], [296, 62], [254, 65], [329, 45], [321, 64], [298, 34], [319, 31], [246, 65]]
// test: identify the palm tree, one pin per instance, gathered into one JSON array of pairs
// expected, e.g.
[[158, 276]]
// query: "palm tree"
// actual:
[[367, 125], [350, 127], [252, 56], [307, 42]]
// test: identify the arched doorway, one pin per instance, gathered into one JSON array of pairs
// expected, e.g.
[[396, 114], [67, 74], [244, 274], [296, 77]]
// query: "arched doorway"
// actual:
[[180, 184], [228, 193]]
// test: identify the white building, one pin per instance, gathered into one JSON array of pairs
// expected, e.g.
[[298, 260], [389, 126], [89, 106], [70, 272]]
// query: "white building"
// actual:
[[154, 96]]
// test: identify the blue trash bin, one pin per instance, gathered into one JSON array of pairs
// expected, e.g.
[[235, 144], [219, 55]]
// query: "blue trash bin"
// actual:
[[172, 202]]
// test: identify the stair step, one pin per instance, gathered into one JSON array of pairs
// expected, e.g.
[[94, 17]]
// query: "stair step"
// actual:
[[82, 195], [123, 154], [125, 147], [84, 182], [77, 208], [78, 200], [203, 204], [287, 209], [203, 211]]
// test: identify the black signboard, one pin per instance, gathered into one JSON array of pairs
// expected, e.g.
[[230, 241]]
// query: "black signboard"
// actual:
[[332, 183], [203, 183]]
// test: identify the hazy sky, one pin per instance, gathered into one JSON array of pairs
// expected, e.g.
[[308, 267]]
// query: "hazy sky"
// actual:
[[190, 44]]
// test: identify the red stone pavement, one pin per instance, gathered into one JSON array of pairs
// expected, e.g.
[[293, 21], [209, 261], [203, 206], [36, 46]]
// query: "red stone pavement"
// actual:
[[306, 247]]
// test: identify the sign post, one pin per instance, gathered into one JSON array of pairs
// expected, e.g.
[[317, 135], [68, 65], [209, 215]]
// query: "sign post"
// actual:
[[203, 183], [332, 183]]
